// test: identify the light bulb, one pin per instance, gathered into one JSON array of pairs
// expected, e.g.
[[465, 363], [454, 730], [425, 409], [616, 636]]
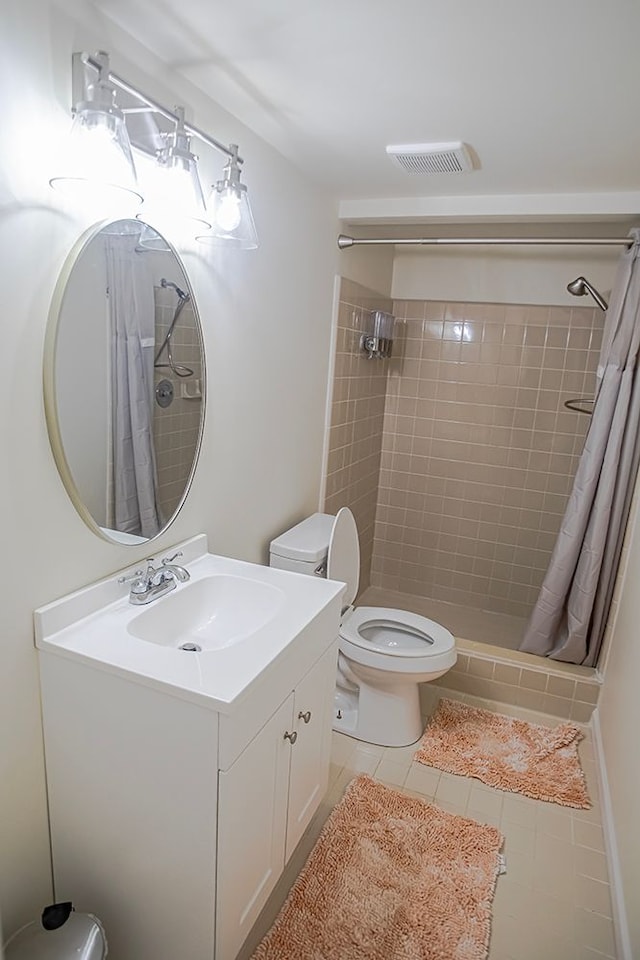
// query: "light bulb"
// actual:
[[232, 221], [228, 214], [175, 196]]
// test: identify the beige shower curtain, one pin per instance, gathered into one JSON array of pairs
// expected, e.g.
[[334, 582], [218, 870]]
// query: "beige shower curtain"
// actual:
[[569, 618]]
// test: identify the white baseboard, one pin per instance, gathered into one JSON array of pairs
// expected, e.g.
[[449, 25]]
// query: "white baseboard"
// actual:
[[620, 924]]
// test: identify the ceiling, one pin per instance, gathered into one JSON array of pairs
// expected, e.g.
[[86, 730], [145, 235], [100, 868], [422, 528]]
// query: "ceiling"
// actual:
[[545, 92]]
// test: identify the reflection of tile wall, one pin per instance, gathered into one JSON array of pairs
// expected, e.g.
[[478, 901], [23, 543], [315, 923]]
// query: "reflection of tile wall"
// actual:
[[357, 419], [479, 452], [176, 427]]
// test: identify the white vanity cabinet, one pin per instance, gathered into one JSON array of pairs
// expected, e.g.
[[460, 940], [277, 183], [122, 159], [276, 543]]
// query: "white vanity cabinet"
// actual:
[[266, 800], [310, 754], [175, 799]]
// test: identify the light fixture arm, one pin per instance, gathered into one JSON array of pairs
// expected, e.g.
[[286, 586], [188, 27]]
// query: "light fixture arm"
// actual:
[[231, 174], [100, 63], [101, 93], [178, 141]]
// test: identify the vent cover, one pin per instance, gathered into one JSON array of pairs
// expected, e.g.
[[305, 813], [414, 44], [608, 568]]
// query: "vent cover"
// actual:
[[431, 157]]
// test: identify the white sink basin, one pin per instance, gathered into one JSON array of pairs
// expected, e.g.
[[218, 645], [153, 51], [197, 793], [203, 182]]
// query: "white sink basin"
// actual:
[[208, 614], [242, 616]]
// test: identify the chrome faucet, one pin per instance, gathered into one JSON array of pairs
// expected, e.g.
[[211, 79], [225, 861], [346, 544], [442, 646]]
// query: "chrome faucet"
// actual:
[[154, 582]]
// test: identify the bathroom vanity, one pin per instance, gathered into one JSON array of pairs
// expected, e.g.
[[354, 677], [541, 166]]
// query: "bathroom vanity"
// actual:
[[180, 782]]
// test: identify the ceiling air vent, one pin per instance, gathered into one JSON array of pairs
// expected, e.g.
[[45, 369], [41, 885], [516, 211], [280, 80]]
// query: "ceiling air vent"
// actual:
[[431, 157]]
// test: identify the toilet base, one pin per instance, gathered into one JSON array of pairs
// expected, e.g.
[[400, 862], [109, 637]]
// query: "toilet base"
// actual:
[[387, 715], [345, 711]]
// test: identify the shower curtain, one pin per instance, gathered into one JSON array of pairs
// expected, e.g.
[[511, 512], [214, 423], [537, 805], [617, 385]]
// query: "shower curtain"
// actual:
[[132, 314], [569, 618]]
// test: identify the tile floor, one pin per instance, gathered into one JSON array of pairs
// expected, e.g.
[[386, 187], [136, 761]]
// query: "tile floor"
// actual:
[[553, 903]]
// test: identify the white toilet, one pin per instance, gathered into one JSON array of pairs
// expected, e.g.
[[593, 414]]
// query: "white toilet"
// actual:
[[384, 653]]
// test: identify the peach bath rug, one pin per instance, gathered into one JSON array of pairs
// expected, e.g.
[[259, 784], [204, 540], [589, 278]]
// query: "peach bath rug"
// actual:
[[509, 754], [391, 877]]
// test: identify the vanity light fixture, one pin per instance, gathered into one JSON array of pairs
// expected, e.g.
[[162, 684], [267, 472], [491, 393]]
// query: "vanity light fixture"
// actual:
[[230, 210], [146, 125], [98, 161]]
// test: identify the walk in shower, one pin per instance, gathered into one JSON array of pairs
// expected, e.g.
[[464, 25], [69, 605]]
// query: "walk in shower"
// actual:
[[458, 454]]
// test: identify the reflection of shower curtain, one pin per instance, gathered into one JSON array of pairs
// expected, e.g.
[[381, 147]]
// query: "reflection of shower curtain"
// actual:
[[569, 618], [131, 308]]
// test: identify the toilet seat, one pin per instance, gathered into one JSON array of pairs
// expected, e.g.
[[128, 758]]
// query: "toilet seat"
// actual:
[[396, 640], [394, 633]]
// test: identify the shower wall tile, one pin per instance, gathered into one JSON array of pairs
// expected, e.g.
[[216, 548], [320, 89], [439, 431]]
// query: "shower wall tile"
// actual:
[[563, 690], [357, 418], [478, 452]]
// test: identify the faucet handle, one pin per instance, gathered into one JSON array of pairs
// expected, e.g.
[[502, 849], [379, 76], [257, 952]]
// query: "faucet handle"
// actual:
[[138, 574], [166, 560], [134, 576]]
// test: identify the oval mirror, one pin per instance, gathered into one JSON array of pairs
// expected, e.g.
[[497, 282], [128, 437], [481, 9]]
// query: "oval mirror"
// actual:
[[124, 381]]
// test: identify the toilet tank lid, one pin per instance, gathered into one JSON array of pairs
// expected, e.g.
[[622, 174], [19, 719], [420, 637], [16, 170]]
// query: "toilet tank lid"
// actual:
[[307, 541]]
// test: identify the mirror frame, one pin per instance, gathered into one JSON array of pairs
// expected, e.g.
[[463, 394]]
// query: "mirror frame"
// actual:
[[49, 385]]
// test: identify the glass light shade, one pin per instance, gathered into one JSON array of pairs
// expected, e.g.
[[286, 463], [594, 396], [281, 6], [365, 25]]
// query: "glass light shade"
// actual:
[[233, 223], [97, 163], [151, 240], [175, 195]]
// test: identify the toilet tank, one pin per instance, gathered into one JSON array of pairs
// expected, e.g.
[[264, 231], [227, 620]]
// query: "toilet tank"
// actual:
[[303, 548]]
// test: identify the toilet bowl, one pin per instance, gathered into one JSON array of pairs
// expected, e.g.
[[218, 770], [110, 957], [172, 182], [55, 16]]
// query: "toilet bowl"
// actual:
[[384, 653]]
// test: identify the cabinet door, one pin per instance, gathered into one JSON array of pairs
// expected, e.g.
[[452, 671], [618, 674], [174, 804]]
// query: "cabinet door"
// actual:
[[252, 810], [309, 776]]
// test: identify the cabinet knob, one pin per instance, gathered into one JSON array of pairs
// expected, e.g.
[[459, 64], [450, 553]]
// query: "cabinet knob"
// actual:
[[292, 737], [305, 716]]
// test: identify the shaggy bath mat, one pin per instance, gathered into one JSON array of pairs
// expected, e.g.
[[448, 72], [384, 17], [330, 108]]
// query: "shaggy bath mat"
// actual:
[[509, 754], [390, 878]]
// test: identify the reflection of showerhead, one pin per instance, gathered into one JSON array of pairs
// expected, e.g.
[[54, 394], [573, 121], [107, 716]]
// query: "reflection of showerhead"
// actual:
[[174, 286], [581, 287], [183, 298]]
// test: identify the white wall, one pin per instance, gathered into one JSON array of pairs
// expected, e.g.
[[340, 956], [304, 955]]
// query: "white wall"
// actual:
[[266, 317], [82, 378], [536, 275], [619, 717]]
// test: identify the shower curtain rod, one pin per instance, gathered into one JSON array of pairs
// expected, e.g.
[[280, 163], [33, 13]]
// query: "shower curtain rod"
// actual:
[[344, 241]]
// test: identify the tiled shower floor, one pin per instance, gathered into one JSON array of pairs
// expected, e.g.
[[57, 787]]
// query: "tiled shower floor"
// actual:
[[483, 626], [553, 903]]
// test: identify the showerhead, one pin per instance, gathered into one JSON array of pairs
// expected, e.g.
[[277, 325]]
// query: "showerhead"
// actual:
[[580, 287], [174, 286]]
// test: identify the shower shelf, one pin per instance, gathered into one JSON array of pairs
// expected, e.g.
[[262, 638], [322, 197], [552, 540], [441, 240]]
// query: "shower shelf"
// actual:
[[581, 405], [191, 390]]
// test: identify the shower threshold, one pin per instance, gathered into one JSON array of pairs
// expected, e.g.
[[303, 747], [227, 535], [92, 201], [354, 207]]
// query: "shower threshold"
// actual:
[[490, 669]]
